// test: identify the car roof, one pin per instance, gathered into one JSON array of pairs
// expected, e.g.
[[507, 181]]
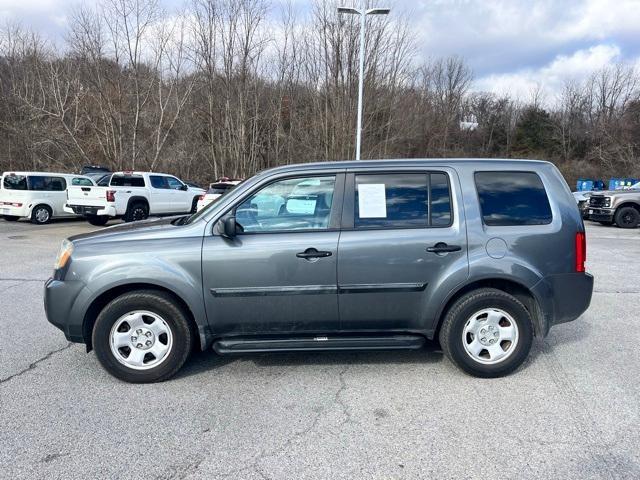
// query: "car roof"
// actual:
[[411, 162], [49, 174]]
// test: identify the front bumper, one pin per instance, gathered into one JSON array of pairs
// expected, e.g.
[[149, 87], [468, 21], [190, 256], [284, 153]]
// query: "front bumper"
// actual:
[[62, 305], [600, 214], [90, 210], [563, 297]]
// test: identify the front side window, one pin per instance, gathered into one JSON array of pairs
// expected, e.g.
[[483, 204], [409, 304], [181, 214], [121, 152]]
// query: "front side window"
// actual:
[[299, 204], [174, 183], [512, 198], [402, 200], [47, 184], [15, 182]]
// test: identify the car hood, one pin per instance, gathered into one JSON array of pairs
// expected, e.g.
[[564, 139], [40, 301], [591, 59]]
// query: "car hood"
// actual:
[[142, 230], [609, 193]]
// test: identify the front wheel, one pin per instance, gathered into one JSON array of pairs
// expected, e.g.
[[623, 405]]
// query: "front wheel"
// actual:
[[142, 337], [487, 333], [627, 217]]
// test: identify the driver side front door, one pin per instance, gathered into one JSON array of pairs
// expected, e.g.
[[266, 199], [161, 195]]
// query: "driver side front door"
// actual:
[[278, 274]]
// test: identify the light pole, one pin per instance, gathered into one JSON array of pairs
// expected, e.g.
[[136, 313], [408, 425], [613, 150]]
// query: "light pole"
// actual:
[[363, 12]]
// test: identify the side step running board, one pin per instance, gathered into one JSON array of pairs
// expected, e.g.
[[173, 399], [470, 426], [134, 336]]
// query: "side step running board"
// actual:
[[388, 342]]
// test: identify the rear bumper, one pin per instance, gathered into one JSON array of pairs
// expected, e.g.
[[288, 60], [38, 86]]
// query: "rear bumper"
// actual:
[[90, 210], [61, 305], [12, 211], [600, 214], [563, 297]]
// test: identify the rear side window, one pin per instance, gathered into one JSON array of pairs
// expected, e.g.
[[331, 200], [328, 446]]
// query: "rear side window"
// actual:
[[402, 200], [127, 181], [15, 182], [47, 184], [512, 198], [158, 181]]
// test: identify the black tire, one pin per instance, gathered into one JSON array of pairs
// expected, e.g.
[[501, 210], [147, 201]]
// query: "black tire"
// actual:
[[451, 332], [98, 220], [11, 218], [41, 214], [627, 217], [158, 303], [194, 205], [137, 211]]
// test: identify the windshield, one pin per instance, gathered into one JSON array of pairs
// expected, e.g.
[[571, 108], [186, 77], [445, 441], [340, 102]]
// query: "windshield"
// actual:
[[635, 185]]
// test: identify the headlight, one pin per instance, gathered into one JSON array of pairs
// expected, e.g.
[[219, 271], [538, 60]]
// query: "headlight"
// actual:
[[607, 201], [64, 255]]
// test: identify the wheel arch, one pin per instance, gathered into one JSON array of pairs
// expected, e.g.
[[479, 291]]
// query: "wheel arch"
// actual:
[[627, 203], [513, 287], [137, 199], [100, 301]]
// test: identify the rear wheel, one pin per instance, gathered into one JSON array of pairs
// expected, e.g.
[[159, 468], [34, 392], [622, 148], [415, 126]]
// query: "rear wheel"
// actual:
[[11, 218], [137, 211], [627, 217], [487, 333], [41, 214], [142, 337], [98, 220]]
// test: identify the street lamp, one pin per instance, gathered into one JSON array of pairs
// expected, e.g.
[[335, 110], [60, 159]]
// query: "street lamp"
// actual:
[[363, 12]]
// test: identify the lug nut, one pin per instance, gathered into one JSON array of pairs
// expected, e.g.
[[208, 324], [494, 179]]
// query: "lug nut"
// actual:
[[133, 339], [483, 331], [148, 334], [139, 331], [147, 343], [139, 345], [483, 339], [491, 341]]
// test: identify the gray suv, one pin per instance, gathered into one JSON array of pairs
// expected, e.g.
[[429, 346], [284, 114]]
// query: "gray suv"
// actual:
[[481, 255]]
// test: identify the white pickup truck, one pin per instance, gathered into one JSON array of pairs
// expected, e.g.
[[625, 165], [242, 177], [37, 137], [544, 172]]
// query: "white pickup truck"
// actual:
[[133, 196]]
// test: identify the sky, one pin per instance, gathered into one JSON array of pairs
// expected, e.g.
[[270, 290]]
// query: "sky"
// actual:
[[512, 46]]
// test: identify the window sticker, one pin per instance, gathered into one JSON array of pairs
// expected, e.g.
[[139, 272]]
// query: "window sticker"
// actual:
[[301, 206], [372, 200]]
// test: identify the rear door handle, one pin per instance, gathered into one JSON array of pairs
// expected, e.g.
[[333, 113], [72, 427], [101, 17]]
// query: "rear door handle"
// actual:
[[442, 247], [313, 253]]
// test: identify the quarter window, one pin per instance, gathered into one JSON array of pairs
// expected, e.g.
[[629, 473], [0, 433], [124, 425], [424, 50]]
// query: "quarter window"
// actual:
[[15, 182], [402, 200], [512, 198], [300, 204]]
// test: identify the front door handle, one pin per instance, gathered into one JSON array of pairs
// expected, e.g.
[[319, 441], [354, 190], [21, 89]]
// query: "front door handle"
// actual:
[[442, 247], [313, 253]]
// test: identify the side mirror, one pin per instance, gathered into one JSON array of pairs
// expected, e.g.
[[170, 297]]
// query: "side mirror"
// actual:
[[184, 187], [229, 227]]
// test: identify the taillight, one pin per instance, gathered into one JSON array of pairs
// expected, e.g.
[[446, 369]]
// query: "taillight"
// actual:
[[581, 251], [111, 195]]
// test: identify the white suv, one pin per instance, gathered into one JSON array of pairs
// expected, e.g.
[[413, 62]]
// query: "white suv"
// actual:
[[133, 196], [39, 196]]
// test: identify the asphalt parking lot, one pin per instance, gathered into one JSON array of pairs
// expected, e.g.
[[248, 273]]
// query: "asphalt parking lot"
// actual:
[[573, 411]]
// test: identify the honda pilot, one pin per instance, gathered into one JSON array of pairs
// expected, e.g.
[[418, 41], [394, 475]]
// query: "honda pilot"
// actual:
[[479, 255]]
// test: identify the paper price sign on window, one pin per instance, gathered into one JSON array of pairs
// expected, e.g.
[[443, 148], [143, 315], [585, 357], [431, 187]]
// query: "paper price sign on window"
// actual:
[[372, 201]]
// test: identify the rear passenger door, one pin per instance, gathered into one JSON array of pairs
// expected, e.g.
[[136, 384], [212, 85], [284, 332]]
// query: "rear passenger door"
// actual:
[[402, 233]]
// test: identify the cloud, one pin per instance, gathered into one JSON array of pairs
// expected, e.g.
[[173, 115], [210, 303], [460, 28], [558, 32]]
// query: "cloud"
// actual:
[[551, 77]]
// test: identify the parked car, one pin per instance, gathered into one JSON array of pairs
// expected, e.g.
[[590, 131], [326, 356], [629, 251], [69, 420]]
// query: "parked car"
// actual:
[[215, 191], [39, 196], [480, 254], [582, 199], [621, 207], [133, 196]]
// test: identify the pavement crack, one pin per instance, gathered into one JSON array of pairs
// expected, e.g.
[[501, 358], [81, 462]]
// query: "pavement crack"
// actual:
[[253, 465], [33, 365]]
